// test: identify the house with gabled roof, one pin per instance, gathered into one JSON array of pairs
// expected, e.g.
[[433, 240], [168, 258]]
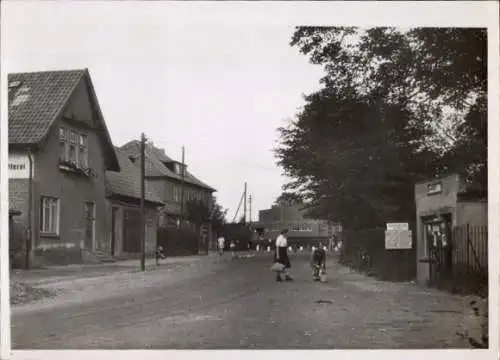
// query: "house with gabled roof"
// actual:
[[123, 194], [59, 152], [164, 174]]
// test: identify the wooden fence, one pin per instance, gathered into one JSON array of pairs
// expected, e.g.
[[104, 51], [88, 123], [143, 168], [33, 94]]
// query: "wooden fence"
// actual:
[[470, 258], [177, 242]]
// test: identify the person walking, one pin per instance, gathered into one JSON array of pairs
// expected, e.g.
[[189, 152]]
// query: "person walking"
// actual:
[[318, 262], [221, 242], [232, 246], [281, 256], [159, 254]]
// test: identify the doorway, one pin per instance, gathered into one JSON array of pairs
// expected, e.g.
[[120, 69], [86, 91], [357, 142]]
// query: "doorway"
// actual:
[[437, 233], [131, 231], [114, 215], [89, 214]]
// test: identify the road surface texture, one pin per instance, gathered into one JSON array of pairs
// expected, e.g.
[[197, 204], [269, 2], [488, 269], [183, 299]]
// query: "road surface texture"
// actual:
[[222, 304]]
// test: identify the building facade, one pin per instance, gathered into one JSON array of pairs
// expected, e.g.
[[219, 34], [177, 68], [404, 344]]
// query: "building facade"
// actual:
[[302, 230], [445, 207], [164, 175], [59, 151], [123, 194]]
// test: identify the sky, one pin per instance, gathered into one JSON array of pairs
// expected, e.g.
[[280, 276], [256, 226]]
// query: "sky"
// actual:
[[216, 77], [214, 84]]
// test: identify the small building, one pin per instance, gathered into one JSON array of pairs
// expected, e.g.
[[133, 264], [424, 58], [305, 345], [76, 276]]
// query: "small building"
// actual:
[[164, 174], [59, 150], [302, 230], [123, 194], [451, 228]]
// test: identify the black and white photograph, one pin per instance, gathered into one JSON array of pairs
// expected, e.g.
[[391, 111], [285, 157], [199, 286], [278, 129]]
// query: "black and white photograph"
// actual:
[[239, 176]]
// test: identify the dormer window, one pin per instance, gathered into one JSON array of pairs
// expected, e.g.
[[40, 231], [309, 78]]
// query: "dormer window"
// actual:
[[18, 94], [177, 168]]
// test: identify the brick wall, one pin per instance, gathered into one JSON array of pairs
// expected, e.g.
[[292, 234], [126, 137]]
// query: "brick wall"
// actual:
[[19, 198]]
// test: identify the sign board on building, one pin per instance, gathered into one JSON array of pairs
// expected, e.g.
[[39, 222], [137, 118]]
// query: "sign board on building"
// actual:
[[398, 239], [435, 188], [19, 166], [397, 226]]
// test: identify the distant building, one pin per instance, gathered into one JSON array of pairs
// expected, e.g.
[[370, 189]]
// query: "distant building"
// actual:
[[123, 194], [302, 230], [164, 175]]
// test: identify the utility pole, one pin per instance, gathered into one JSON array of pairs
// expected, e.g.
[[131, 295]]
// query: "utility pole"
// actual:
[[29, 235], [182, 189], [250, 209], [245, 205], [238, 209], [143, 215]]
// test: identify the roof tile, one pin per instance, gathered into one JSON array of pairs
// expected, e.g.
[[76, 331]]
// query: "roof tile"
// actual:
[[47, 93], [155, 159], [127, 182], [37, 98]]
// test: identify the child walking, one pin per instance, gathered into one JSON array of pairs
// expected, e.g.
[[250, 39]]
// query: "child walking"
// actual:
[[159, 254], [318, 262]]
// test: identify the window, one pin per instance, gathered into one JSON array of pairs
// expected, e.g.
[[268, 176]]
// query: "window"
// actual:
[[275, 227], [73, 147], [49, 219], [176, 194], [62, 144], [295, 227], [305, 227], [83, 155], [73, 155]]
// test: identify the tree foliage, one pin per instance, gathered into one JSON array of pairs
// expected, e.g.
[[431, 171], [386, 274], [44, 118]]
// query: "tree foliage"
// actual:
[[288, 198], [395, 107], [199, 212]]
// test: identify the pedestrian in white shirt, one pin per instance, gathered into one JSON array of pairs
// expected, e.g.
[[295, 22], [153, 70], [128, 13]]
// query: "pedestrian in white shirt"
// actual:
[[281, 256], [221, 242], [232, 246]]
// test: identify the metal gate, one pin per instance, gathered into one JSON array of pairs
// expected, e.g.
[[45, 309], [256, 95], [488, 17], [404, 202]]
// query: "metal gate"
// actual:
[[438, 238]]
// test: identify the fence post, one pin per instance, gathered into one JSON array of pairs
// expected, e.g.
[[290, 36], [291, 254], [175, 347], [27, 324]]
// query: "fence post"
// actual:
[[467, 251]]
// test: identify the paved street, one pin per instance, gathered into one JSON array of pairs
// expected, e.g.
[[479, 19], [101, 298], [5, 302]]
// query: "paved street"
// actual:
[[222, 304]]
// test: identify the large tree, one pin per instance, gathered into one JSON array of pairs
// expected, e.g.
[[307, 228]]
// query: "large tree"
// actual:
[[199, 212], [395, 107], [288, 198], [439, 74], [354, 158]]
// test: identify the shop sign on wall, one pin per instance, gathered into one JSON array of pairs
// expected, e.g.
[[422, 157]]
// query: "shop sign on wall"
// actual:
[[434, 188], [19, 166]]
